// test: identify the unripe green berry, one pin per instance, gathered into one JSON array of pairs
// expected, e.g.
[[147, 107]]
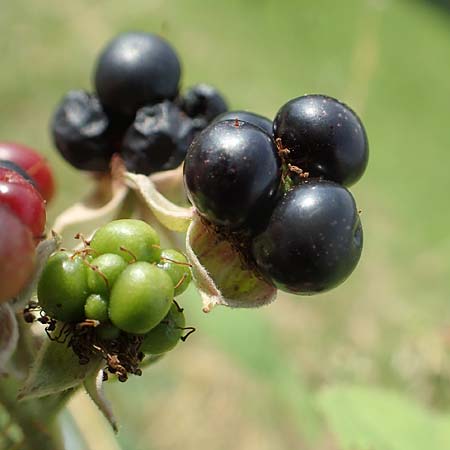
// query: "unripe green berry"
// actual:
[[177, 267], [96, 308], [104, 271], [166, 335], [107, 332], [62, 288], [140, 298], [128, 238]]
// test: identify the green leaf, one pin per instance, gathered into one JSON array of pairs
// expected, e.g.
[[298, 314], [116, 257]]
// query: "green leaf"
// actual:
[[366, 418], [56, 369], [219, 272], [173, 217]]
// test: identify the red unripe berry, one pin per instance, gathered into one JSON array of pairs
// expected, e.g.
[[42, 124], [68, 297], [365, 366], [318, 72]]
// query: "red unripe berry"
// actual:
[[16, 253], [33, 163], [24, 201]]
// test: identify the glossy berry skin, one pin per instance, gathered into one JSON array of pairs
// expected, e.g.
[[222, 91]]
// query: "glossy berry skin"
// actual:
[[83, 132], [103, 272], [33, 163], [158, 139], [166, 335], [232, 173], [177, 267], [140, 298], [204, 102], [246, 116], [136, 69], [8, 165], [10, 175], [313, 240], [96, 308], [128, 238], [23, 200], [324, 137], [63, 288], [16, 252]]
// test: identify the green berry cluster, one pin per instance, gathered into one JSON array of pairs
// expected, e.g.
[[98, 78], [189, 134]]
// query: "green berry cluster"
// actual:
[[122, 282]]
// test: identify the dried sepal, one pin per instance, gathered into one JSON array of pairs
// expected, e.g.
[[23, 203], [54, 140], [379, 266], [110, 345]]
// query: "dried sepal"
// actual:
[[171, 184], [172, 216], [94, 387], [220, 274], [101, 205], [9, 335]]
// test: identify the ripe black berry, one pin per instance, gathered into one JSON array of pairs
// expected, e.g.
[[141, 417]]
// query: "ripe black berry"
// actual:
[[313, 239], [324, 137], [245, 116], [232, 173], [203, 101], [158, 139], [82, 132], [136, 69]]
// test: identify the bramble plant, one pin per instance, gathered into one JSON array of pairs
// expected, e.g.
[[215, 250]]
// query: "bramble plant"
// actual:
[[269, 209]]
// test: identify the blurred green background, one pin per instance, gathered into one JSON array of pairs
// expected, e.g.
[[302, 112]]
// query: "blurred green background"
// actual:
[[253, 379]]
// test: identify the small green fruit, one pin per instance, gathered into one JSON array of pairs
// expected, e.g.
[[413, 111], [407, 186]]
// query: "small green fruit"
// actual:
[[96, 308], [63, 288], [177, 267], [128, 238], [166, 335], [107, 332], [140, 298], [104, 271]]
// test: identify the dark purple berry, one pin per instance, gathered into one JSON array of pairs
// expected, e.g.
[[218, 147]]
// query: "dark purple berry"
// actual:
[[136, 69], [158, 139], [203, 101], [82, 132], [232, 173], [245, 116], [313, 239], [324, 137]]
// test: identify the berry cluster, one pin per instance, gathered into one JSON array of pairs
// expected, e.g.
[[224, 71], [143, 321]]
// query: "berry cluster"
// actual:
[[137, 110], [117, 292], [281, 187], [271, 210], [26, 182]]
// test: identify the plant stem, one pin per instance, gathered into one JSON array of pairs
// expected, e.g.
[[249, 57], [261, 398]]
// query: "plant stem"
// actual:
[[36, 418]]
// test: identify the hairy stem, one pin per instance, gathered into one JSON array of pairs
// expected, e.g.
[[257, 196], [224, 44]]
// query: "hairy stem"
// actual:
[[35, 418]]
